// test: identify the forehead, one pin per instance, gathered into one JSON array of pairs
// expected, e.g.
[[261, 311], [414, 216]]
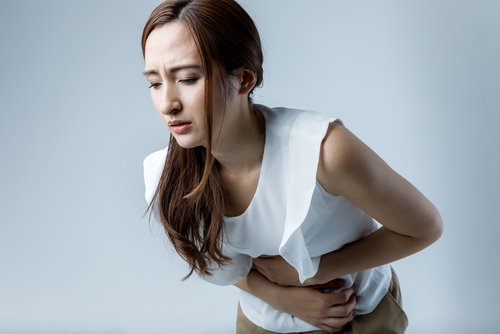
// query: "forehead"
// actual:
[[170, 45]]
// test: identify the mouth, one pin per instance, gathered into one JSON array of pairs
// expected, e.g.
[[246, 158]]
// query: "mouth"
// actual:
[[179, 127], [178, 122]]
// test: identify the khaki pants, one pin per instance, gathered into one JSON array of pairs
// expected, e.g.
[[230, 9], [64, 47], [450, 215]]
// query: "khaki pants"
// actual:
[[387, 318]]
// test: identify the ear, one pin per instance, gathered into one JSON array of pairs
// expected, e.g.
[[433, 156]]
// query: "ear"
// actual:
[[247, 80]]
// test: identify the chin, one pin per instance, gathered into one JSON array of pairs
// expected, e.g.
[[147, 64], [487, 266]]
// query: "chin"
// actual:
[[187, 143]]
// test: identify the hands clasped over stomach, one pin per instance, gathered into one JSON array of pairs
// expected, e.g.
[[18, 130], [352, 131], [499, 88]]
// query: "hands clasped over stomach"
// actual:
[[326, 306]]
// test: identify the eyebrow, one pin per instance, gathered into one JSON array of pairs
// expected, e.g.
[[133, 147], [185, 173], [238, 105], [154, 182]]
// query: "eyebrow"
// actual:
[[173, 69]]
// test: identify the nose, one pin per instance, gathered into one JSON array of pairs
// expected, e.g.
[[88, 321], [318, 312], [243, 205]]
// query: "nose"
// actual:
[[170, 102]]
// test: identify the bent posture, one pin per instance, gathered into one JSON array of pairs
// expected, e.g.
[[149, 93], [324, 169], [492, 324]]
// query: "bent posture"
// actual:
[[280, 202]]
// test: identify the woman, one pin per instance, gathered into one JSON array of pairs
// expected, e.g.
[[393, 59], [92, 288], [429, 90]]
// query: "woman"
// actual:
[[277, 201]]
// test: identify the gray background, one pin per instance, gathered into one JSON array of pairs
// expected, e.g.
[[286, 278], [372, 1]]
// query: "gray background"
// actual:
[[418, 81]]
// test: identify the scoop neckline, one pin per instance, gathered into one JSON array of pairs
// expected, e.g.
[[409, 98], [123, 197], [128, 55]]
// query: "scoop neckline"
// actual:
[[263, 111]]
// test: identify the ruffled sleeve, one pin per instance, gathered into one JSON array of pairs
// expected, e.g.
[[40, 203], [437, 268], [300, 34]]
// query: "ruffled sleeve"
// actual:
[[306, 136], [230, 273], [153, 168]]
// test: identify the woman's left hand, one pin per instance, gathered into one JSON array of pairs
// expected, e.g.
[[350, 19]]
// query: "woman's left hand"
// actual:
[[277, 270]]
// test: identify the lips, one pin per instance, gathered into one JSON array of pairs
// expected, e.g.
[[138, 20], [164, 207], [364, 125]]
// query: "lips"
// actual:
[[177, 122], [179, 127]]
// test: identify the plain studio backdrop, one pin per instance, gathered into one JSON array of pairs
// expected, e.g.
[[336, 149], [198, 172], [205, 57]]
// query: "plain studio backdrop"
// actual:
[[418, 81]]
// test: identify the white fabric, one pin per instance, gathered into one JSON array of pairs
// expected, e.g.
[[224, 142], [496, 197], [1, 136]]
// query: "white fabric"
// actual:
[[290, 215]]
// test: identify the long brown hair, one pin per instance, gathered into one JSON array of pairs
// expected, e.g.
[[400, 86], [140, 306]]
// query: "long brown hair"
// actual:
[[189, 198]]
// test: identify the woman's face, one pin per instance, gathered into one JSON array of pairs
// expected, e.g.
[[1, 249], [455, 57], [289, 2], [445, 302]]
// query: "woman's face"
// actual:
[[174, 70]]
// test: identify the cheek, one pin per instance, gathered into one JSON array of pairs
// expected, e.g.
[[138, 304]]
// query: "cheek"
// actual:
[[218, 120], [220, 111], [198, 96], [155, 100]]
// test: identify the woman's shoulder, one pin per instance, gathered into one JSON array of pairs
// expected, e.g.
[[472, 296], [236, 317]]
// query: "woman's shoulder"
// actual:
[[346, 162], [304, 122], [155, 157], [284, 112], [278, 115]]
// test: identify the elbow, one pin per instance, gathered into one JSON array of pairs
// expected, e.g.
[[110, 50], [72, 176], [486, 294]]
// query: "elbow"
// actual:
[[434, 229], [428, 229]]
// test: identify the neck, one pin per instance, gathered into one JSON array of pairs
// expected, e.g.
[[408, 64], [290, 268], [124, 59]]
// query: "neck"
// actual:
[[240, 146]]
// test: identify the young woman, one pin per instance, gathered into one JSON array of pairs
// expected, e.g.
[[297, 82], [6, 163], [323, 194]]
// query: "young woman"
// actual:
[[277, 201]]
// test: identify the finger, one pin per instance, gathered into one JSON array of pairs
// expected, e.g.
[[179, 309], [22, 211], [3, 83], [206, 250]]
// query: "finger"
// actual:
[[339, 298], [328, 329], [351, 304], [345, 310], [336, 324]]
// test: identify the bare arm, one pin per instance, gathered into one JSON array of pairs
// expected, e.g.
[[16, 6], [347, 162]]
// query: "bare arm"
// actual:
[[327, 311], [259, 286], [410, 222]]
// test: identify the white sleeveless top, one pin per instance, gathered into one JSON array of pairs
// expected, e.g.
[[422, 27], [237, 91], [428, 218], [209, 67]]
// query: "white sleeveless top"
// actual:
[[290, 215]]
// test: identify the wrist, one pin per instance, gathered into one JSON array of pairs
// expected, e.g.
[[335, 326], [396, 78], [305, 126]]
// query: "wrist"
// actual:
[[270, 292], [324, 273]]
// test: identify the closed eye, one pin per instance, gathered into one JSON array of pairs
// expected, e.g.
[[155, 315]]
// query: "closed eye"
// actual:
[[155, 85], [188, 81]]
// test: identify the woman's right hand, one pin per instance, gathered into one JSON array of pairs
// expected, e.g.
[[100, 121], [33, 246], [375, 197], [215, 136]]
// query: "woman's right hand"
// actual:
[[330, 311]]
